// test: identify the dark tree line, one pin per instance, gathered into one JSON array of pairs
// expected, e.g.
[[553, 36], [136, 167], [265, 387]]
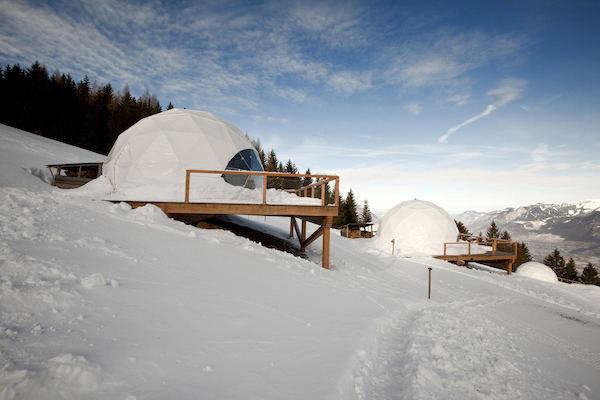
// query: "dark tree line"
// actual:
[[80, 113], [568, 270]]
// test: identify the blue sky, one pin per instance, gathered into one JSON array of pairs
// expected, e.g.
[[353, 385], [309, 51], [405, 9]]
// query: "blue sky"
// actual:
[[471, 105]]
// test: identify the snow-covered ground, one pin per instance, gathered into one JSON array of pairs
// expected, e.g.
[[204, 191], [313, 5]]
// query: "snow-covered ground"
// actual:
[[99, 301]]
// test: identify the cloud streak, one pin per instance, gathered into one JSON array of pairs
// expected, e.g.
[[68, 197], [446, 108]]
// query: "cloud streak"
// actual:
[[507, 91], [488, 110]]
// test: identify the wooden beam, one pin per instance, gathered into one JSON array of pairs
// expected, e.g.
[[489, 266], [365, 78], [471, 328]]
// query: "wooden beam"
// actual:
[[312, 238], [244, 209]]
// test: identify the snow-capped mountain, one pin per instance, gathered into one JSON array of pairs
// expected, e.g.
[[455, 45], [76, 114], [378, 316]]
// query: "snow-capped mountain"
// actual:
[[572, 228]]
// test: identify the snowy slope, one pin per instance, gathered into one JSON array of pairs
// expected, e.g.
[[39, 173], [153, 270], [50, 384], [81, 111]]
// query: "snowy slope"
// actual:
[[99, 301]]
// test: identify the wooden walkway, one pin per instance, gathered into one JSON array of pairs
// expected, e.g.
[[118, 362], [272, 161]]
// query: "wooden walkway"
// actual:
[[493, 255], [321, 215]]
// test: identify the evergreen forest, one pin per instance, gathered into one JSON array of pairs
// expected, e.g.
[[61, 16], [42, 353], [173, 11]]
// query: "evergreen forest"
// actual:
[[80, 113]]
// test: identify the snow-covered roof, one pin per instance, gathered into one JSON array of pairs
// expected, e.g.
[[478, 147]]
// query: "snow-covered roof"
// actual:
[[418, 226], [161, 147]]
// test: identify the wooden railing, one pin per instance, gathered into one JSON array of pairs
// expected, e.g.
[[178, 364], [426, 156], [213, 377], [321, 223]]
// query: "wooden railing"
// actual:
[[322, 180], [485, 242], [565, 280]]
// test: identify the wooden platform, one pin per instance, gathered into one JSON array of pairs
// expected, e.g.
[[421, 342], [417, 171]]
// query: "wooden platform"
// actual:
[[321, 215], [493, 255]]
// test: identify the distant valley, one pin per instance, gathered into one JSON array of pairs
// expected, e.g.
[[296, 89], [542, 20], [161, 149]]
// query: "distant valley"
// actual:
[[572, 228]]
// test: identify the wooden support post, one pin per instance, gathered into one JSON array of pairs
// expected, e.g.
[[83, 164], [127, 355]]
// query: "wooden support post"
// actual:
[[292, 223], [328, 221], [509, 269], [303, 238]]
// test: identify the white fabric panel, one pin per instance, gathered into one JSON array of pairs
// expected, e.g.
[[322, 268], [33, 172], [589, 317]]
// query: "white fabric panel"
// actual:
[[161, 147], [418, 225]]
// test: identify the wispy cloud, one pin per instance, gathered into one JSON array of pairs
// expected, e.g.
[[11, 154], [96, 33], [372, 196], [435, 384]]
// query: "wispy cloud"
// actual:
[[413, 108], [443, 56], [235, 56], [507, 91], [348, 82], [488, 110], [460, 99]]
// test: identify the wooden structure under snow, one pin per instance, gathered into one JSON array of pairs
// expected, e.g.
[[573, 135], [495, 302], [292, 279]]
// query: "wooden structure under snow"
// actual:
[[321, 215], [69, 176]]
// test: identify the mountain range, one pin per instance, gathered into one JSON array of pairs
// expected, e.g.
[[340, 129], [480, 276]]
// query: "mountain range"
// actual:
[[572, 228]]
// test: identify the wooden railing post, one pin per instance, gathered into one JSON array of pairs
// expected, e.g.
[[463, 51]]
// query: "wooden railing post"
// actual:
[[337, 191], [187, 186], [265, 189]]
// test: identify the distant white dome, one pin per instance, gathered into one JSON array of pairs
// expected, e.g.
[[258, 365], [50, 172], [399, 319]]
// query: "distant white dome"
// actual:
[[538, 271], [418, 226]]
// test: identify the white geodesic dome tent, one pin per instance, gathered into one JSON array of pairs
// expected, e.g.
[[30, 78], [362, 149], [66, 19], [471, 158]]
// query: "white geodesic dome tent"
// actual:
[[161, 147], [418, 226], [537, 271]]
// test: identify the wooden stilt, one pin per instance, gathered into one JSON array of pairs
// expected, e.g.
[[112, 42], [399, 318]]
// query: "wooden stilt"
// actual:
[[328, 221], [303, 238]]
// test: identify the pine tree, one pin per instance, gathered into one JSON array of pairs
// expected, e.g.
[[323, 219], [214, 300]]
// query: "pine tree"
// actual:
[[352, 215], [523, 255], [590, 275], [340, 219], [493, 232], [170, 106], [306, 181], [366, 216], [555, 261], [506, 247], [462, 228], [272, 162], [570, 270]]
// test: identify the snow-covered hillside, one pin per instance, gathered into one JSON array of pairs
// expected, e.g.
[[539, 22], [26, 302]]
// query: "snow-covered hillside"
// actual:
[[99, 301]]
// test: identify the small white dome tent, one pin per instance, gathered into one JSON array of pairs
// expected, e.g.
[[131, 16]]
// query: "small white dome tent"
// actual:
[[161, 147], [418, 226], [537, 271]]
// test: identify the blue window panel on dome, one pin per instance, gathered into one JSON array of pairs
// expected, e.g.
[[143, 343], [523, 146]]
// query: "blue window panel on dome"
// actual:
[[245, 160]]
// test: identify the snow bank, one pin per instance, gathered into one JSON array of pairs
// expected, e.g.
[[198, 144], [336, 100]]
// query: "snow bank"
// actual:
[[538, 271]]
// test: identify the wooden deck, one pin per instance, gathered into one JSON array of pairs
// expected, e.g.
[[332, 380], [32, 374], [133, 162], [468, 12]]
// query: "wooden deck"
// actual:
[[321, 215], [493, 255]]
